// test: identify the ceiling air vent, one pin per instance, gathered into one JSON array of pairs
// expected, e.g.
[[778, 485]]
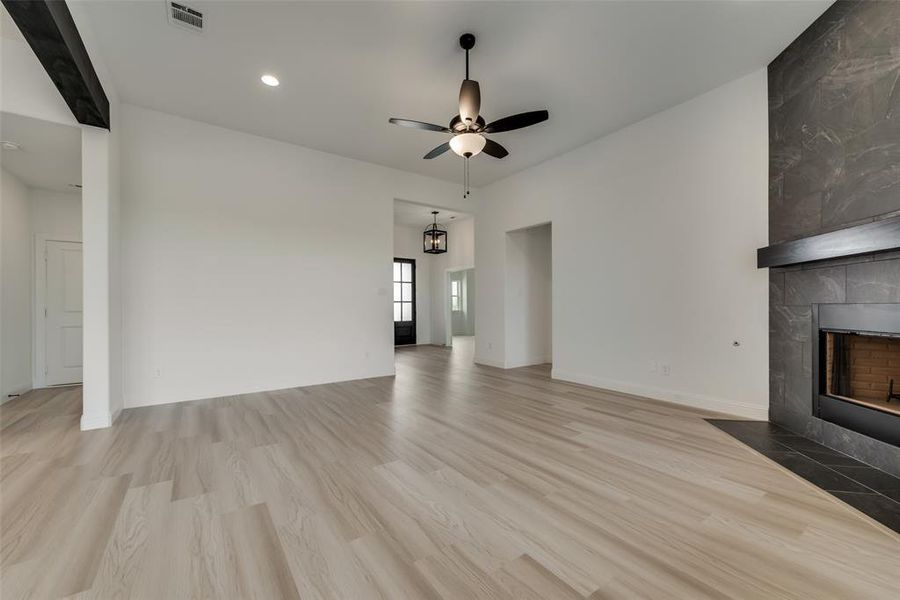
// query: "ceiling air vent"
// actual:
[[184, 16]]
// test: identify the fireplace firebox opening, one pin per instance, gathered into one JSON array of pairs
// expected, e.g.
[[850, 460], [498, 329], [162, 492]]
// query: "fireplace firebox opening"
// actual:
[[864, 369], [857, 368]]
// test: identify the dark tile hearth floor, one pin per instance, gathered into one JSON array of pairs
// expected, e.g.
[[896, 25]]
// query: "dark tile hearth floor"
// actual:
[[866, 488]]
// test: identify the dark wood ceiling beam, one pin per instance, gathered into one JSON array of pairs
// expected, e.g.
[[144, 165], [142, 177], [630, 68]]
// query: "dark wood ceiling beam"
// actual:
[[878, 236], [49, 29]]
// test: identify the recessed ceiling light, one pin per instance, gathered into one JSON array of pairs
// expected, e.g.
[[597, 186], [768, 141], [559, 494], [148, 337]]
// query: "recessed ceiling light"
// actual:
[[6, 145], [269, 80]]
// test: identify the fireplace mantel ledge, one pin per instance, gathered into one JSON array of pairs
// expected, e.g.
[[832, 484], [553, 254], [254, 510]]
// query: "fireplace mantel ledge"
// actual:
[[877, 236]]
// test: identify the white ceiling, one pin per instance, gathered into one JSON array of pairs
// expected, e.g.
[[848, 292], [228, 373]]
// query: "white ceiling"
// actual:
[[419, 215], [50, 153], [346, 67], [8, 27]]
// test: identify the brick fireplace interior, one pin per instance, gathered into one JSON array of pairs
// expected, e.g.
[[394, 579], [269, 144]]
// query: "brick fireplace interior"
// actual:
[[864, 369]]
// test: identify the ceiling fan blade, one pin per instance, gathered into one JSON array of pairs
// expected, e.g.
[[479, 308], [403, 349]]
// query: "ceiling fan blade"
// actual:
[[419, 125], [492, 148], [469, 101], [518, 121], [437, 151]]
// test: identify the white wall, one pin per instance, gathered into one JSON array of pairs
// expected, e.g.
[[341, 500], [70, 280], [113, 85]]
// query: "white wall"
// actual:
[[15, 287], [655, 229], [101, 198], [528, 291], [251, 264], [408, 244], [470, 302], [56, 213], [100, 396], [25, 87]]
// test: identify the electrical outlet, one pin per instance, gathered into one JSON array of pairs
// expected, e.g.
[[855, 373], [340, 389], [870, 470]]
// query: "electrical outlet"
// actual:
[[654, 366], [666, 370], [157, 373], [490, 346]]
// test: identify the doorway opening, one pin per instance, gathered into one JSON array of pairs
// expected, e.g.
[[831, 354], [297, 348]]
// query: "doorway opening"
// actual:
[[460, 307], [427, 300], [529, 293], [41, 269]]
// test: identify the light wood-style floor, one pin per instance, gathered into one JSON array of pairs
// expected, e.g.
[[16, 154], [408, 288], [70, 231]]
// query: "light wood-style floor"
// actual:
[[448, 481]]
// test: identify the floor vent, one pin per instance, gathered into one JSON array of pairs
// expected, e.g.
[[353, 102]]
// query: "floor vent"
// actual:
[[184, 16]]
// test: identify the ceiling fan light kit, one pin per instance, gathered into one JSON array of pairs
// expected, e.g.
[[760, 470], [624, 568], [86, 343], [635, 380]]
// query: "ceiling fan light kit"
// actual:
[[467, 145], [468, 128]]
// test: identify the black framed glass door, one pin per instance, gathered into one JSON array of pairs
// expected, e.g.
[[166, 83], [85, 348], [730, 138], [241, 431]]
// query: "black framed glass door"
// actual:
[[404, 301]]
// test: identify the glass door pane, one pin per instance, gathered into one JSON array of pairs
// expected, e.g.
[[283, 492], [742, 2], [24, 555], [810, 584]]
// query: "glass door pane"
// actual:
[[404, 301]]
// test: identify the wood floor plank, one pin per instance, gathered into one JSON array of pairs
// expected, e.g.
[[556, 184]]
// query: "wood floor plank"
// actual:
[[395, 578], [142, 513], [322, 562], [450, 480], [254, 551], [527, 579]]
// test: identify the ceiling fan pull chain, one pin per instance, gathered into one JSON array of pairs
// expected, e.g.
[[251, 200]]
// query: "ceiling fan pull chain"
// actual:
[[467, 178]]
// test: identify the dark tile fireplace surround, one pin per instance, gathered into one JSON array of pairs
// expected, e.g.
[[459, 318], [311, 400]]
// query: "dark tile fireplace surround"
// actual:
[[807, 301], [834, 220]]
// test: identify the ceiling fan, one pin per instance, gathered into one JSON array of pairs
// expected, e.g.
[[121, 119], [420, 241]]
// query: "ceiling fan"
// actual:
[[468, 128]]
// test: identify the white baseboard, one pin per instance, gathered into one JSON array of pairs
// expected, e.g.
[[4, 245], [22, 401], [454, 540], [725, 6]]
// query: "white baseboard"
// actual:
[[19, 390], [542, 360], [99, 420], [529, 362], [490, 363], [738, 409], [388, 372]]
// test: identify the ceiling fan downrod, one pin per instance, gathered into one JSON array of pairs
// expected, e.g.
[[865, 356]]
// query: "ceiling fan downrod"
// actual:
[[467, 42]]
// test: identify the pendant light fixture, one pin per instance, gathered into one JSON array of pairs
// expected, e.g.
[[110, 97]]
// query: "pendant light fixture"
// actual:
[[434, 239]]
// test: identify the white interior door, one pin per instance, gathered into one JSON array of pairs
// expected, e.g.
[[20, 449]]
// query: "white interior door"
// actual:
[[63, 315]]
